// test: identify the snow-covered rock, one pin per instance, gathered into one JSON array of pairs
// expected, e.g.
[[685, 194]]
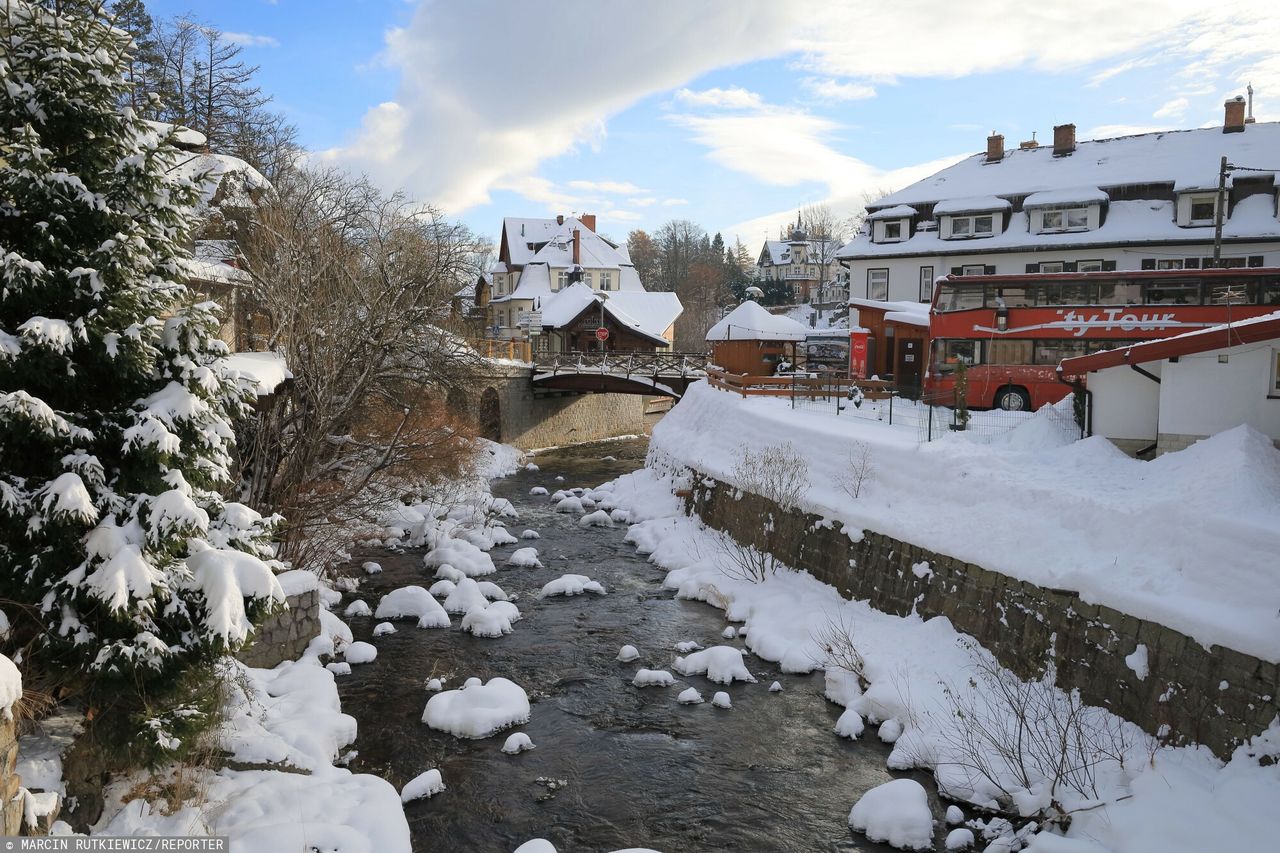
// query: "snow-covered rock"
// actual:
[[508, 610], [571, 585], [776, 687], [424, 785], [599, 518], [960, 839], [955, 816], [478, 710], [690, 696], [896, 813], [850, 724], [729, 632], [360, 652], [372, 568], [628, 653], [339, 667], [448, 573], [501, 536], [890, 731], [531, 467], [653, 678], [687, 646], [492, 591], [721, 664], [435, 685], [570, 504], [721, 700], [466, 596], [486, 621], [620, 516], [442, 588], [462, 555], [412, 601], [526, 558], [530, 534], [517, 743], [383, 628], [538, 490], [10, 686], [358, 607]]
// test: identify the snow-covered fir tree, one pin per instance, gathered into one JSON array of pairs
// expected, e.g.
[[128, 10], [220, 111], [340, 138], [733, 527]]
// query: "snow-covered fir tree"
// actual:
[[127, 568]]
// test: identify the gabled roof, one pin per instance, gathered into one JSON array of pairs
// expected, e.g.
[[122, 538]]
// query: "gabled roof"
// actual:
[[750, 322], [528, 240], [649, 314], [1251, 331]]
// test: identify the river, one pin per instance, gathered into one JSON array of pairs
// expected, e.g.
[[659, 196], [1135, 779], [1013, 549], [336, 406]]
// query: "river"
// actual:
[[615, 766]]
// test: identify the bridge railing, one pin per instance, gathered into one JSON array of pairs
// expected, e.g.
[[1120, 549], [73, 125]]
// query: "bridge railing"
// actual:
[[670, 364], [494, 348]]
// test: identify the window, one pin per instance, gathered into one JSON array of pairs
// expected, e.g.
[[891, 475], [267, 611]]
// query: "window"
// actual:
[[926, 284], [959, 297], [1169, 263], [562, 279], [606, 280], [892, 231], [973, 269], [1219, 292], [586, 279], [1120, 293], [1203, 208], [947, 354], [1055, 266], [1173, 293], [1089, 266], [972, 226], [878, 284], [1077, 217]]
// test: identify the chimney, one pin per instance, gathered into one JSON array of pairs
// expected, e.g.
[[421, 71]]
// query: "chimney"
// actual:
[[995, 147], [1064, 139], [1249, 119], [589, 220], [1029, 143], [577, 246], [560, 220], [1233, 122]]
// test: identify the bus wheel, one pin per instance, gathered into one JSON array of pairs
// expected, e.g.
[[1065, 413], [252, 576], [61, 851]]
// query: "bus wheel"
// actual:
[[1013, 399]]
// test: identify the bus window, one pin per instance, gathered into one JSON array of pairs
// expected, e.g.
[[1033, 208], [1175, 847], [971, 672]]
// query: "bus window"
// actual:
[[1120, 292], [1270, 290], [1055, 350], [1009, 352], [1230, 292], [959, 297], [1172, 293], [1064, 293], [1013, 297], [947, 354]]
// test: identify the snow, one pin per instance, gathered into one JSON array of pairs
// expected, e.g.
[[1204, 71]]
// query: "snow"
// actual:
[[10, 686], [227, 578], [599, 518], [850, 724], [442, 588], [435, 685], [898, 211], [959, 839], [721, 700], [1066, 196], [525, 557], [487, 620], [427, 784], [653, 678], [720, 664], [360, 652], [383, 628], [462, 555], [517, 743], [538, 490], [970, 204], [955, 816], [492, 591], [1196, 527], [264, 372], [1137, 661], [571, 585], [686, 646], [890, 730], [357, 608], [465, 597], [729, 632], [570, 504], [530, 534], [690, 696], [897, 813], [650, 314], [478, 710], [627, 654], [412, 602], [750, 322], [372, 568], [339, 667], [531, 467], [776, 687]]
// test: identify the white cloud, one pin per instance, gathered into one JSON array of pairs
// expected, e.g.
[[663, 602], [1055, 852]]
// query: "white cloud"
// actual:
[[610, 187], [644, 201], [674, 202], [251, 40], [826, 89], [734, 97], [1174, 109]]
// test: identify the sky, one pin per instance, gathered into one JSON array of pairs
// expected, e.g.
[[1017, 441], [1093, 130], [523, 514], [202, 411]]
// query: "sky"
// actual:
[[730, 113]]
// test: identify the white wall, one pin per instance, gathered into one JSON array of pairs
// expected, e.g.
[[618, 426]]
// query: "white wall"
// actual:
[[1200, 396], [1126, 404]]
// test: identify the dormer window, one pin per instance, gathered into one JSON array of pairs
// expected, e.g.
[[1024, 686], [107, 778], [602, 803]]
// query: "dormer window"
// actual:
[[892, 231], [1068, 219], [1203, 209], [972, 226]]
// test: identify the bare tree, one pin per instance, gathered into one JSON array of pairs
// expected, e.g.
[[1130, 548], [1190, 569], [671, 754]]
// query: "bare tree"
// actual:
[[644, 256], [839, 650], [858, 470], [357, 288], [780, 475]]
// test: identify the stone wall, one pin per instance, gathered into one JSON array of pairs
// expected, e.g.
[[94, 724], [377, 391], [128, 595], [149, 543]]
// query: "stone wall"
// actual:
[[11, 802], [284, 635], [1214, 696], [550, 419]]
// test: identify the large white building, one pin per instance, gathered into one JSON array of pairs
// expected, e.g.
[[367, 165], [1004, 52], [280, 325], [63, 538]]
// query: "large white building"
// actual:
[[1134, 202]]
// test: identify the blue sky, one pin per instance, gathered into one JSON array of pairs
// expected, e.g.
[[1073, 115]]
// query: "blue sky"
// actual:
[[731, 114]]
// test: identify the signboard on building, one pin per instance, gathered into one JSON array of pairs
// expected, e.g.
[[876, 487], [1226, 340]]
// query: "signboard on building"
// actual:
[[602, 334], [858, 353]]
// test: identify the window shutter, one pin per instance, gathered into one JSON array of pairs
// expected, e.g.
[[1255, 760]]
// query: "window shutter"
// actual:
[[1191, 263], [989, 269], [1033, 268], [1108, 266], [957, 270], [1148, 263], [1255, 260], [1069, 266]]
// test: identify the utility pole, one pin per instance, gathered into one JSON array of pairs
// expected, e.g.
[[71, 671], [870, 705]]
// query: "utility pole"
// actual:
[[1219, 210]]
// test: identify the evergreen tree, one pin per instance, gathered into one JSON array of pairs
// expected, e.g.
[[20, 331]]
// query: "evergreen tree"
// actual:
[[129, 570]]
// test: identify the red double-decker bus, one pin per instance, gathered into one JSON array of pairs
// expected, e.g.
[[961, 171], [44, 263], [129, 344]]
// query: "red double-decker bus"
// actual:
[[1012, 330]]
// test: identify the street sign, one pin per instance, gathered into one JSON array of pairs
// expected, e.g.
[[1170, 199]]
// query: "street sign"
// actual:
[[602, 334]]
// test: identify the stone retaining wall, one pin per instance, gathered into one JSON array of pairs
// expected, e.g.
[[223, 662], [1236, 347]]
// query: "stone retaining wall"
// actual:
[[10, 801], [1214, 696], [285, 634]]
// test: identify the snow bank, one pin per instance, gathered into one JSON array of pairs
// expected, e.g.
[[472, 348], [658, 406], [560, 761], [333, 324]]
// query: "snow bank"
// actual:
[[571, 585], [897, 813], [721, 664], [478, 710], [653, 678], [424, 785], [410, 602]]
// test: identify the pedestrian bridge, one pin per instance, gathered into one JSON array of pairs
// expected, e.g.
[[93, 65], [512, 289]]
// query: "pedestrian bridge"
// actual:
[[665, 374]]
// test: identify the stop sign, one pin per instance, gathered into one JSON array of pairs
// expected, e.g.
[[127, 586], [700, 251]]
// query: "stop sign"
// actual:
[[602, 334]]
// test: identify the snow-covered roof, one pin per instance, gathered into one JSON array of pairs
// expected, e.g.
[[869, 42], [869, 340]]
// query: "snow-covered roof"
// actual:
[[650, 314], [534, 283], [1150, 158], [497, 267], [913, 313], [551, 242], [182, 136], [898, 211], [1069, 195], [779, 251], [750, 322], [265, 371], [233, 176], [971, 204]]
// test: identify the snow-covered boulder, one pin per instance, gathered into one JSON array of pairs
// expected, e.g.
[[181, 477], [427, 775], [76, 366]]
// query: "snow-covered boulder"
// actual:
[[462, 555], [525, 558], [502, 536], [465, 597], [721, 664], [776, 687], [571, 585], [435, 685], [478, 710], [960, 839], [492, 591], [570, 505], [442, 588], [599, 518], [531, 467], [955, 816], [850, 724], [530, 534], [538, 490], [448, 573], [412, 601], [653, 678], [729, 633], [690, 696], [360, 652], [721, 700], [339, 667], [486, 621], [507, 609], [372, 568], [628, 653], [687, 646], [383, 628], [425, 785], [896, 813], [620, 516], [517, 743], [890, 731], [357, 608]]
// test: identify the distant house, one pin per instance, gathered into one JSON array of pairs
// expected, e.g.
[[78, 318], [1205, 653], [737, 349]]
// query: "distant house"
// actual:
[[805, 266], [1134, 202], [556, 281], [216, 272], [1165, 394]]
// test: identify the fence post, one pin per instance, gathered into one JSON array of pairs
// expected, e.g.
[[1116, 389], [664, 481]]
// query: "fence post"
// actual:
[[891, 396], [929, 432]]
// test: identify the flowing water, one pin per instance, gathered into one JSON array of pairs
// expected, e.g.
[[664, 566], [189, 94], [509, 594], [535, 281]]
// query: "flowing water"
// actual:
[[615, 766]]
